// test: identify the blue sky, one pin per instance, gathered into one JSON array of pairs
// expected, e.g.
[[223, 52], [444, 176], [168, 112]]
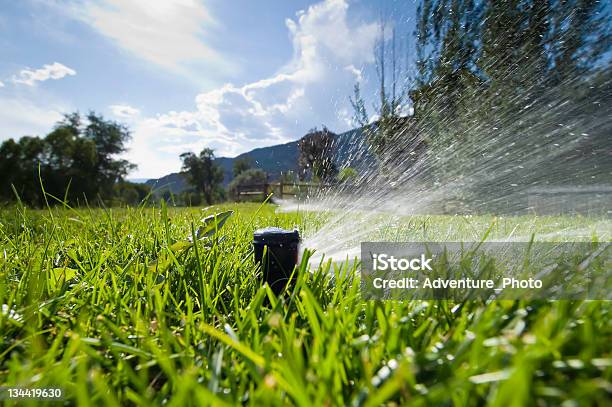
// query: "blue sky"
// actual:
[[187, 74]]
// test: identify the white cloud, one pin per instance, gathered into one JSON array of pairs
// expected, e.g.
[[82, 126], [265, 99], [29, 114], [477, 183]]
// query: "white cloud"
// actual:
[[124, 111], [311, 89], [54, 71], [168, 33], [1, 84], [20, 117]]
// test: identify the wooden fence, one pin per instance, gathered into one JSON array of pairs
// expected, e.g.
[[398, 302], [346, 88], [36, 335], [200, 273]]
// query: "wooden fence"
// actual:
[[280, 189]]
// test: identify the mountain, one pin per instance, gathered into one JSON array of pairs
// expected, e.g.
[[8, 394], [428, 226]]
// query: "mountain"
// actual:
[[174, 182], [349, 151], [272, 159]]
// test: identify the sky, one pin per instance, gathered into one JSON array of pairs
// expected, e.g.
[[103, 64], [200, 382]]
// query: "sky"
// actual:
[[187, 74]]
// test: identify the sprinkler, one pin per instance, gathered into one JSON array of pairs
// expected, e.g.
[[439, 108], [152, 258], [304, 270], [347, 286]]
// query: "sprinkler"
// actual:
[[279, 257]]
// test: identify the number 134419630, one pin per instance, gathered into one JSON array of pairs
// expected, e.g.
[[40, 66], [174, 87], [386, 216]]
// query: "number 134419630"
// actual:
[[30, 393]]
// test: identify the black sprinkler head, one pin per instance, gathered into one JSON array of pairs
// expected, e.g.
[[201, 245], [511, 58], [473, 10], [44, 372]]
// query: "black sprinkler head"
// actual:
[[280, 257]]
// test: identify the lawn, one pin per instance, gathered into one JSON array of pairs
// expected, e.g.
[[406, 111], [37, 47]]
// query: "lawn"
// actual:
[[95, 303]]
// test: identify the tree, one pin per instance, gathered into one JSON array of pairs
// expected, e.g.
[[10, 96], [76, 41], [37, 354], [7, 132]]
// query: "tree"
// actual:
[[495, 79], [253, 176], [19, 169], [190, 198], [240, 165], [204, 174], [109, 138], [316, 154], [389, 134], [498, 84], [580, 38], [392, 92], [130, 193], [76, 161]]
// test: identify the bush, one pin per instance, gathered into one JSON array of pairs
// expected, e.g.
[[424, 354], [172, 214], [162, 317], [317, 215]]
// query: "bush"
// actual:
[[130, 193], [249, 177]]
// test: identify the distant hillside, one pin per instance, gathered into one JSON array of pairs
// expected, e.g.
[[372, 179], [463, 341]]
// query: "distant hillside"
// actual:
[[272, 159], [175, 183], [349, 151]]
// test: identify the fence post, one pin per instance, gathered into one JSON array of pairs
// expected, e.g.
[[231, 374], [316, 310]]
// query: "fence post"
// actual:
[[266, 187]]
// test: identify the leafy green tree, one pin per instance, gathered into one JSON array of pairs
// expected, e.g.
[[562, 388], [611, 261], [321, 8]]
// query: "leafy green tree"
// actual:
[[253, 176], [190, 198], [204, 174], [109, 138], [381, 130], [76, 161], [130, 193], [240, 165], [317, 155], [580, 38], [19, 168], [485, 70]]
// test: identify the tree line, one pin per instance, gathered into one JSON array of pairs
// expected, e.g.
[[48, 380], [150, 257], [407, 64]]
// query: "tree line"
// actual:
[[76, 163]]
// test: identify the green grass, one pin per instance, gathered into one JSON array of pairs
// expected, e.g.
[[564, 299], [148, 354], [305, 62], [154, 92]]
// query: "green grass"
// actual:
[[85, 311]]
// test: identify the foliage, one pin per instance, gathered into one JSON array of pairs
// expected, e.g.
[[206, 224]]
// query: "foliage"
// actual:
[[347, 174], [130, 193], [81, 310], [388, 130], [76, 162], [190, 198], [289, 177], [204, 174], [494, 82], [240, 165], [317, 155], [493, 72], [254, 176], [207, 233]]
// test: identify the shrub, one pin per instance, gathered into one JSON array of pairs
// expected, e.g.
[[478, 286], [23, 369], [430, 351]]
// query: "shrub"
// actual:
[[249, 177]]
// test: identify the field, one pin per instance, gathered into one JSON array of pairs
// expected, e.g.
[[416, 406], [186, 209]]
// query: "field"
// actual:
[[95, 303]]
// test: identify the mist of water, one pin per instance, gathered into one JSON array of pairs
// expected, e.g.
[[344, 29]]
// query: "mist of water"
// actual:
[[548, 158]]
